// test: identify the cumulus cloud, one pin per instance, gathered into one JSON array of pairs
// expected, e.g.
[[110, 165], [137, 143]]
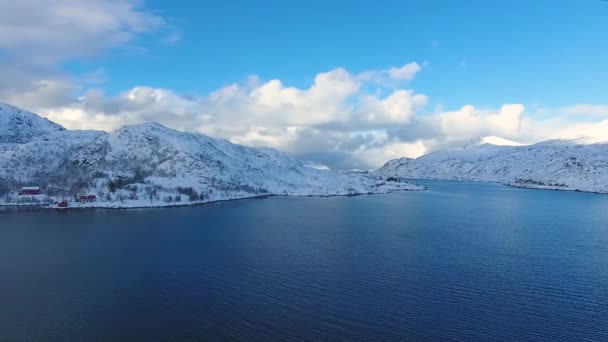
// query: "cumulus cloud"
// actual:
[[36, 36], [343, 120], [336, 121], [469, 122], [406, 72], [398, 107], [49, 31], [34, 87], [333, 114], [323, 101]]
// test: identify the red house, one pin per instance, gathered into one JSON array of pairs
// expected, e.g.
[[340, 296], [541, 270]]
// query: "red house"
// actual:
[[87, 198], [29, 191]]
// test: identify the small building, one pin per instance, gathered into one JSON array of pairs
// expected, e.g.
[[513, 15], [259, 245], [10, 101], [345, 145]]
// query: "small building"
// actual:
[[62, 204], [87, 198], [29, 191]]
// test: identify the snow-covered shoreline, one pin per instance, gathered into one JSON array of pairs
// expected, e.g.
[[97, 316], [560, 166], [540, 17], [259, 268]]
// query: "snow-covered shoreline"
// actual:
[[554, 188], [515, 185], [160, 204], [564, 165]]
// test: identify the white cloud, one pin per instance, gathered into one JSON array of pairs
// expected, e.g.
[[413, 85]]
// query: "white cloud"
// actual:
[[36, 36], [391, 77], [586, 110], [335, 114], [324, 101], [588, 131], [376, 156], [253, 113], [469, 123], [595, 132], [50, 31], [398, 107], [406, 72]]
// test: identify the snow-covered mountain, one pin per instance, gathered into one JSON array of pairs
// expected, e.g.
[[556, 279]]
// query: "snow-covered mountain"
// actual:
[[491, 140], [18, 126], [554, 164], [152, 165]]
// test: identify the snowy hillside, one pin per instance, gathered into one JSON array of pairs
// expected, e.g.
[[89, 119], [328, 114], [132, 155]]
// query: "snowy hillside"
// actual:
[[152, 165], [554, 164], [19, 126]]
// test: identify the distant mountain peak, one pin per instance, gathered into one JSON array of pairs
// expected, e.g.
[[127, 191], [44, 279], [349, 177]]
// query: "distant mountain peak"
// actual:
[[144, 126], [491, 140]]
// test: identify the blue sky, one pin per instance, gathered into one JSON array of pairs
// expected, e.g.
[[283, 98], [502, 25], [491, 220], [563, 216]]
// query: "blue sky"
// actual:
[[552, 53], [345, 83]]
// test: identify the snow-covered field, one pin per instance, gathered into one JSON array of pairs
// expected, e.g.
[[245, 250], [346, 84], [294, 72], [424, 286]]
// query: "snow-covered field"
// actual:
[[150, 165], [573, 165]]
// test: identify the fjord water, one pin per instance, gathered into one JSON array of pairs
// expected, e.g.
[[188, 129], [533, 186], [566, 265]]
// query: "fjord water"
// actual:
[[462, 261]]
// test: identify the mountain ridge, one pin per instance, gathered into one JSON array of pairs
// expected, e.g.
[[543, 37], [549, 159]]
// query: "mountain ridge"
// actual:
[[553, 164], [149, 164], [18, 126]]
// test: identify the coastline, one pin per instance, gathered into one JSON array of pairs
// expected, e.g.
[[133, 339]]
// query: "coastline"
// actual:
[[113, 206], [553, 188], [517, 185], [9, 207]]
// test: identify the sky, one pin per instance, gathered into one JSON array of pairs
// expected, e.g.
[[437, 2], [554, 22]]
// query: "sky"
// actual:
[[347, 84]]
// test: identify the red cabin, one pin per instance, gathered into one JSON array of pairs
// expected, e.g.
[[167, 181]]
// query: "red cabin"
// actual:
[[29, 191], [87, 198]]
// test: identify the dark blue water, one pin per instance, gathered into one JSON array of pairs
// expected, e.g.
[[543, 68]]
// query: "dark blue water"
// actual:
[[462, 261]]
